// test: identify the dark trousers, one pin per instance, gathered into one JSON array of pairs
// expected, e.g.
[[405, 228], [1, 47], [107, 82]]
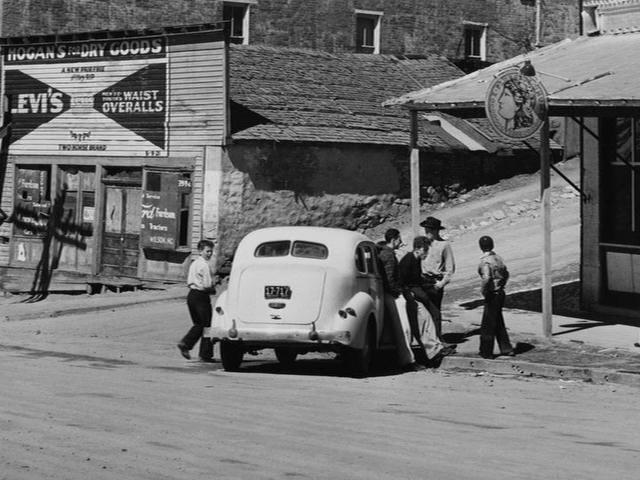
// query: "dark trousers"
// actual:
[[435, 296], [199, 305], [492, 327]]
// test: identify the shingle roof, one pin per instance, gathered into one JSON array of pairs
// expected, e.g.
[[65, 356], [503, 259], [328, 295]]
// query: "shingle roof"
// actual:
[[314, 96], [589, 72]]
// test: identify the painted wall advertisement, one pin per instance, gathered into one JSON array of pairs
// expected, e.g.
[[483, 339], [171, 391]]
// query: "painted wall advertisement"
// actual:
[[88, 98], [160, 207]]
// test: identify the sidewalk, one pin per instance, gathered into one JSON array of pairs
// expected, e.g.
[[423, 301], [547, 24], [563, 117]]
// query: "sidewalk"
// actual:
[[19, 307], [579, 350]]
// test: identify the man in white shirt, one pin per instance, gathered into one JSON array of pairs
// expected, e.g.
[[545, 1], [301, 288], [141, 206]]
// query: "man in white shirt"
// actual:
[[437, 267], [200, 283]]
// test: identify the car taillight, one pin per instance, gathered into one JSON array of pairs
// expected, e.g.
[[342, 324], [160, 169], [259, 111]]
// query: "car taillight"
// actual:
[[233, 332], [350, 311], [342, 313]]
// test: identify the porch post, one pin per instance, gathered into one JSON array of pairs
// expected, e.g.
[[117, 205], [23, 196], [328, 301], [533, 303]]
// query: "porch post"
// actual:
[[415, 175], [545, 200]]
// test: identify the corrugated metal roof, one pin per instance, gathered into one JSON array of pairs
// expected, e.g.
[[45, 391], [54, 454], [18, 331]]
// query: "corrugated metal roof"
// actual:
[[590, 72], [314, 96]]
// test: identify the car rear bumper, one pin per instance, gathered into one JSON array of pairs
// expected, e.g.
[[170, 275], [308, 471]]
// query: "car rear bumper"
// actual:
[[303, 336]]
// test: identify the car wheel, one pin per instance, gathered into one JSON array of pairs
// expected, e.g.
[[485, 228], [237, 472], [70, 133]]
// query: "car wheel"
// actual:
[[286, 356], [359, 360], [231, 354]]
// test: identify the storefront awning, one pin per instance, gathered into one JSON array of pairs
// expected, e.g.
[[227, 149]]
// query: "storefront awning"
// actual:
[[585, 76]]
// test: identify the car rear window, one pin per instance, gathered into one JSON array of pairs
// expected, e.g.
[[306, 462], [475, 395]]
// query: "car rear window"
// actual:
[[309, 250], [282, 248], [273, 249]]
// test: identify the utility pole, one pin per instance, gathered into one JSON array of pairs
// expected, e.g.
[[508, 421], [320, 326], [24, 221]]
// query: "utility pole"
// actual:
[[415, 174], [545, 200], [538, 43]]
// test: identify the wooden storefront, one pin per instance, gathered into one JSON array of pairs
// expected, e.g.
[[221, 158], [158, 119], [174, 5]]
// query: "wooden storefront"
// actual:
[[110, 138]]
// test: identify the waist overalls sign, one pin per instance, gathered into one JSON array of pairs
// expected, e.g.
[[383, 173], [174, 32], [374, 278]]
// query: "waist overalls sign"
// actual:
[[88, 98]]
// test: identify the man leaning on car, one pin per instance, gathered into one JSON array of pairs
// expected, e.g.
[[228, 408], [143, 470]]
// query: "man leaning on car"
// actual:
[[392, 290]]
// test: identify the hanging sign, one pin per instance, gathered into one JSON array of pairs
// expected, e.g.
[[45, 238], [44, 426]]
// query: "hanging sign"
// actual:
[[516, 104]]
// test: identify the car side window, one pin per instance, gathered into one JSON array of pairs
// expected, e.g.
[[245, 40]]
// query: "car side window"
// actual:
[[361, 263], [370, 259], [366, 259]]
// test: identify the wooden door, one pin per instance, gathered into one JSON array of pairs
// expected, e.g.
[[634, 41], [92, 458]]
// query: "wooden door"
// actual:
[[121, 233]]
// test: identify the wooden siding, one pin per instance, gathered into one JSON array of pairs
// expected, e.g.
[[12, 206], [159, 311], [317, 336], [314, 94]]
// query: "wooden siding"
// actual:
[[117, 106], [6, 202], [196, 118]]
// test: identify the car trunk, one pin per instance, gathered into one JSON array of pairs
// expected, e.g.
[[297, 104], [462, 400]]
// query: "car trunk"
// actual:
[[286, 295]]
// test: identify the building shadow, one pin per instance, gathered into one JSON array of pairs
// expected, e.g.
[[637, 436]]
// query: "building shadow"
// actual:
[[56, 228], [566, 303]]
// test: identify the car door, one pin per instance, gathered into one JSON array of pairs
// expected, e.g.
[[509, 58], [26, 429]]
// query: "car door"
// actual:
[[369, 279]]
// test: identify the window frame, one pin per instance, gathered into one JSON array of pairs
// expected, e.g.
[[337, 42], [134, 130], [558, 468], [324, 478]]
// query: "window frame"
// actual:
[[470, 31], [612, 165], [376, 17], [246, 11]]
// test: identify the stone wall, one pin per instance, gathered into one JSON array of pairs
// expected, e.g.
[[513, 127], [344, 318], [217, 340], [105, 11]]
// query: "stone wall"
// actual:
[[408, 26], [346, 186]]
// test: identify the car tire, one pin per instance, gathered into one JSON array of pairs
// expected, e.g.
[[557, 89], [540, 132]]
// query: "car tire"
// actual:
[[359, 360], [231, 354], [286, 356]]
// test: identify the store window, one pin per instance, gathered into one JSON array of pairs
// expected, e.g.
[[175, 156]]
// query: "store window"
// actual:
[[77, 193], [475, 40], [368, 31], [32, 201], [236, 18], [621, 182]]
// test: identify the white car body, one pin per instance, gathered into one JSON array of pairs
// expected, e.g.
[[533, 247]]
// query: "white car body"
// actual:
[[301, 289]]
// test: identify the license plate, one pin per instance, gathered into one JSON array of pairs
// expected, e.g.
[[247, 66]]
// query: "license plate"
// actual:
[[277, 291]]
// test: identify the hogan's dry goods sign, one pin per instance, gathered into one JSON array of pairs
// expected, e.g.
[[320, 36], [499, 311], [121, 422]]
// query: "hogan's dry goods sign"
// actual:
[[88, 98], [516, 104]]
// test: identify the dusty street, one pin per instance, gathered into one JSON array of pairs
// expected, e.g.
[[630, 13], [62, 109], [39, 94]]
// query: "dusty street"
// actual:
[[108, 396]]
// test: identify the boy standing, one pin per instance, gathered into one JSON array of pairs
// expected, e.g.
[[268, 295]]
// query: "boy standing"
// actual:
[[494, 275]]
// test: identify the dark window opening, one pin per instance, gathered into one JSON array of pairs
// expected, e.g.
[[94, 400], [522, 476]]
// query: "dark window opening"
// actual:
[[621, 186], [473, 42], [234, 16], [365, 34]]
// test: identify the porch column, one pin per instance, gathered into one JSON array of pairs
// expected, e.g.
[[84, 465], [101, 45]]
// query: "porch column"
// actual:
[[415, 175], [545, 200]]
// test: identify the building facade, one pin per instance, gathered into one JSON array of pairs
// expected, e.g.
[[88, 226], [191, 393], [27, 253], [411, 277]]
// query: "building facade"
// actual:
[[110, 157], [471, 33]]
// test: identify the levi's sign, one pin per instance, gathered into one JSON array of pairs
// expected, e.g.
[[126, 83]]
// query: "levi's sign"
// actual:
[[114, 92]]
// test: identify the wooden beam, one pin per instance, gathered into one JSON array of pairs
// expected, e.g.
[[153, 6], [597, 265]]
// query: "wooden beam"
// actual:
[[415, 175], [545, 202]]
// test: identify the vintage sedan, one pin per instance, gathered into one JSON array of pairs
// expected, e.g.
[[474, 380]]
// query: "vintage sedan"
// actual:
[[299, 290]]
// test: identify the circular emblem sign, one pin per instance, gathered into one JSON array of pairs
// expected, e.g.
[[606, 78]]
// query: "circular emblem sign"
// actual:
[[516, 105]]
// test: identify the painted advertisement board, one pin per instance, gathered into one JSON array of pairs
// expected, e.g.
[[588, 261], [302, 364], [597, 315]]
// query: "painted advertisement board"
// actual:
[[159, 209], [83, 98]]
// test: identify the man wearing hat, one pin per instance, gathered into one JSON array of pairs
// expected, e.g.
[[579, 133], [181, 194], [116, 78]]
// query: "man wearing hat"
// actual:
[[438, 266]]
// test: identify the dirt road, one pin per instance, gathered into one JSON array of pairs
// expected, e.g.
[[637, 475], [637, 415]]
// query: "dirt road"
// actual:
[[107, 396]]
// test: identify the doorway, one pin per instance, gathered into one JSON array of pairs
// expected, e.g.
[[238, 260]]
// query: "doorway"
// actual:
[[121, 226]]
